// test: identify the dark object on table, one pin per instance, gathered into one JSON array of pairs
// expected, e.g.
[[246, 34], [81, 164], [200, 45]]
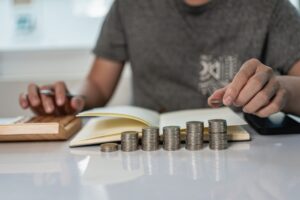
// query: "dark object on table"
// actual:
[[277, 124]]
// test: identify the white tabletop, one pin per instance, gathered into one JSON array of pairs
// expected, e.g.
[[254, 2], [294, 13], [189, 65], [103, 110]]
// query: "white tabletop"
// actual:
[[268, 167]]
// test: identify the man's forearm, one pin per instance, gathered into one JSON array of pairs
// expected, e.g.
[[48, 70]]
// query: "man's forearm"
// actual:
[[101, 82], [292, 86], [93, 95]]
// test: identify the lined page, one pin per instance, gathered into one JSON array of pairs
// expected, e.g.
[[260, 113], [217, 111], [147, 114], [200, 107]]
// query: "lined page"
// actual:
[[179, 118], [143, 115], [101, 129]]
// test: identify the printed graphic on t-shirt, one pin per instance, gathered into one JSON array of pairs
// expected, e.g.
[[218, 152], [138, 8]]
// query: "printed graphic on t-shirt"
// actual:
[[216, 72]]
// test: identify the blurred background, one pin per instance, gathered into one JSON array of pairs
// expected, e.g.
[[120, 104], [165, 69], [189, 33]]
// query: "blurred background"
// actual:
[[43, 41]]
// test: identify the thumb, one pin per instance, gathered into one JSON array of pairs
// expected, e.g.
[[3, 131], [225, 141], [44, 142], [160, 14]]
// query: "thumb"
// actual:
[[77, 103], [216, 99]]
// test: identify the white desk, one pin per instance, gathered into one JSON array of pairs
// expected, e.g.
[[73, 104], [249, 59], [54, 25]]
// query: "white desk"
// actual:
[[265, 168]]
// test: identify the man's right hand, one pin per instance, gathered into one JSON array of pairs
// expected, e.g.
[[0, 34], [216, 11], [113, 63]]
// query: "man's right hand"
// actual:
[[59, 104]]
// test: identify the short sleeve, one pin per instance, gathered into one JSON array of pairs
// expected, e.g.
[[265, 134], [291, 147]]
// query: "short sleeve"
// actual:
[[112, 43], [283, 40]]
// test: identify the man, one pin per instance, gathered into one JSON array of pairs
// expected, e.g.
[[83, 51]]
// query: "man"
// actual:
[[190, 54]]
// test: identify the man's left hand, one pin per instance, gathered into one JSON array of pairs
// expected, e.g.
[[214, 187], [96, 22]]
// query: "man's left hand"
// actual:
[[255, 88]]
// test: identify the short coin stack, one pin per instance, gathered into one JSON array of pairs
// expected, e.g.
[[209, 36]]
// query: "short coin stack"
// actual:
[[218, 134], [150, 138], [194, 135], [129, 141], [171, 138], [109, 147]]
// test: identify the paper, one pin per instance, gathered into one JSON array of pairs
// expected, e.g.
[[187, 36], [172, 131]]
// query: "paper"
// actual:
[[107, 126], [179, 118], [296, 118], [146, 116], [118, 119], [11, 120]]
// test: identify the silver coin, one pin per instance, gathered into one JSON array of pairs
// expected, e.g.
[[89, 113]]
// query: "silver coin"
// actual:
[[150, 138], [217, 125], [218, 137], [109, 147], [171, 138], [129, 141], [194, 135]]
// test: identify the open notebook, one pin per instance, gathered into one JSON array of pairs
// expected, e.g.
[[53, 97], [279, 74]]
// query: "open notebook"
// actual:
[[111, 121]]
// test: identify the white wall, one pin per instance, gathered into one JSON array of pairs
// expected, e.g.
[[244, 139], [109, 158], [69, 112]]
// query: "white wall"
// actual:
[[10, 90], [60, 43], [59, 64], [59, 48], [57, 24], [295, 3]]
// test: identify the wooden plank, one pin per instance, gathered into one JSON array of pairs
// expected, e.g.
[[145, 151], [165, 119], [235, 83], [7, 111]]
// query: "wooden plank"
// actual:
[[38, 129], [30, 128], [73, 127], [66, 120]]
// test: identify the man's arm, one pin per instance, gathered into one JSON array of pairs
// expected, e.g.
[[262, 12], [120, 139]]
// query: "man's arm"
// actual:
[[259, 91], [101, 82], [292, 84], [96, 91]]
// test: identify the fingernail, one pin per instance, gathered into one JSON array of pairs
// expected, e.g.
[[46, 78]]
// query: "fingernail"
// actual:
[[228, 101], [24, 104], [49, 109], [60, 101]]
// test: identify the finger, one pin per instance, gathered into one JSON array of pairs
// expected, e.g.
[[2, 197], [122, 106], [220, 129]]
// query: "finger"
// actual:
[[34, 100], [37, 110], [23, 101], [252, 87], [48, 104], [263, 97], [77, 104], [274, 106], [247, 70], [61, 110], [60, 90], [67, 108], [215, 100], [47, 101], [33, 95]]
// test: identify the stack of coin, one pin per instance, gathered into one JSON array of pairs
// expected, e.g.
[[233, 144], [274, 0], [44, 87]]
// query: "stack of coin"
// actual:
[[109, 147], [218, 139], [129, 141], [171, 138], [194, 135], [150, 138]]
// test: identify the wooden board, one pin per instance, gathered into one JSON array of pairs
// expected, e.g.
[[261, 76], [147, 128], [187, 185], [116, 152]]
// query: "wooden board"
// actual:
[[41, 128]]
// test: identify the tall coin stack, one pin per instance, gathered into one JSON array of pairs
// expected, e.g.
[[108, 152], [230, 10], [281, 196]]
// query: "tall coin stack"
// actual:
[[194, 135], [218, 139], [129, 141], [171, 138], [150, 138]]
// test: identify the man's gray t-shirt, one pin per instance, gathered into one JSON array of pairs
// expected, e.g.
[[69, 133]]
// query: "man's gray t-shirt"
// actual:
[[181, 54]]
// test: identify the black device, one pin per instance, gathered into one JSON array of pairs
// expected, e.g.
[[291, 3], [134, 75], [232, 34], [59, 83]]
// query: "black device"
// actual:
[[274, 125]]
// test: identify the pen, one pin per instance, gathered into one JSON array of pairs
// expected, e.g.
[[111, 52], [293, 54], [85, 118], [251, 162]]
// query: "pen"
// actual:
[[51, 93]]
